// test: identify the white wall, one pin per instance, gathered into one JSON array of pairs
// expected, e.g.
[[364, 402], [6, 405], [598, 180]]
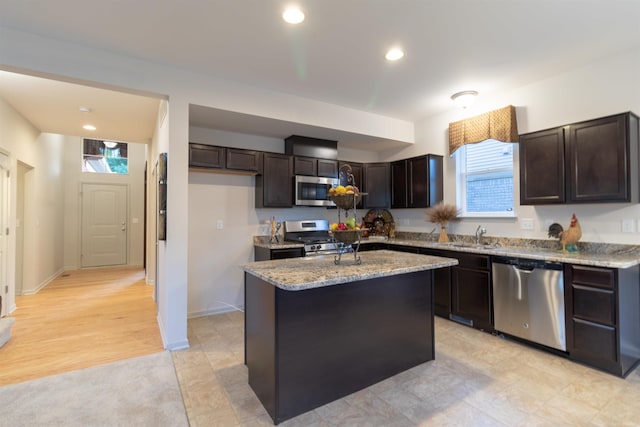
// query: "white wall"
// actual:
[[74, 177], [600, 89], [44, 214]]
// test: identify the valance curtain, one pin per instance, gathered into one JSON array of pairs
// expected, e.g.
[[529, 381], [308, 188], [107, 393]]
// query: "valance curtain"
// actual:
[[498, 124]]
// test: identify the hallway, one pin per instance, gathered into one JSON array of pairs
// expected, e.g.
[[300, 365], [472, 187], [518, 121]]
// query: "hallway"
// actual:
[[82, 318]]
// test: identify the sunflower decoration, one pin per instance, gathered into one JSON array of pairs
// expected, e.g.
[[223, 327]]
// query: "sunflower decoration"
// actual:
[[443, 213]]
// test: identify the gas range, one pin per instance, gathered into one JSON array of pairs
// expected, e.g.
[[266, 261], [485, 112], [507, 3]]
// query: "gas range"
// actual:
[[314, 234]]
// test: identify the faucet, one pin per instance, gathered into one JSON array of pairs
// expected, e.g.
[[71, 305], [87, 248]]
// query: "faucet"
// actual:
[[480, 231]]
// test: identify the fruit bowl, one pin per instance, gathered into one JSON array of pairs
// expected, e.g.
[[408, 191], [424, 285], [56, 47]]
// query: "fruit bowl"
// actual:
[[346, 201], [346, 236]]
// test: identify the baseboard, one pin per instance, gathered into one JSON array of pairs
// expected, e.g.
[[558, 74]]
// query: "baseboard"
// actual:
[[43, 283], [179, 345], [211, 312]]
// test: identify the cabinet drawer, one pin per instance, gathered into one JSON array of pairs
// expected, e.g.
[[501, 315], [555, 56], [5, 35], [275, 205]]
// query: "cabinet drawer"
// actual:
[[593, 276], [594, 342], [468, 260], [594, 304]]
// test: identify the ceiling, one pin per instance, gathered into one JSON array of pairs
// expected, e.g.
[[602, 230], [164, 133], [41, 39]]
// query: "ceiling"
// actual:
[[336, 54]]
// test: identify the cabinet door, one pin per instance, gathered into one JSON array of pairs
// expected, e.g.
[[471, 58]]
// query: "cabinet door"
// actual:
[[542, 167], [376, 185], [274, 188], [245, 160], [424, 181], [441, 284], [327, 168], [206, 156], [599, 160], [304, 166], [399, 184], [471, 296]]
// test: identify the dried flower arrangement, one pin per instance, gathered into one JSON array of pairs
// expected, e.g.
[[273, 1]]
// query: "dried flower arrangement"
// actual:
[[442, 213]]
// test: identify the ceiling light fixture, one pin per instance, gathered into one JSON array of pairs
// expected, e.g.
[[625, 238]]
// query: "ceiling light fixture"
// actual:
[[465, 98], [89, 127], [394, 54], [110, 144], [85, 109], [293, 15]]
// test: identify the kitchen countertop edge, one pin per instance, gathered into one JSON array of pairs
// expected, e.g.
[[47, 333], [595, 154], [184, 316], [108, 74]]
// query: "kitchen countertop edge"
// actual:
[[296, 274]]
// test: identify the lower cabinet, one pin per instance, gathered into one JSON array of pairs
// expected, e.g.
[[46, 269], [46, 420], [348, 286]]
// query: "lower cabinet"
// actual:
[[441, 284], [602, 317], [265, 254], [471, 292]]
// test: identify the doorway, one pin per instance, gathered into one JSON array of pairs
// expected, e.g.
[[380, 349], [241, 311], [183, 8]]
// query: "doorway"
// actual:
[[4, 225], [103, 225]]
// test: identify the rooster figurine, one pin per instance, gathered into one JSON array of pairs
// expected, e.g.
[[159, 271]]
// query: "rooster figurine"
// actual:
[[568, 238]]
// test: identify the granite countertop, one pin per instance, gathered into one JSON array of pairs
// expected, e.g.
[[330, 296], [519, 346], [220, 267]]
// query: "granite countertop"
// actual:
[[597, 255], [296, 274], [621, 259]]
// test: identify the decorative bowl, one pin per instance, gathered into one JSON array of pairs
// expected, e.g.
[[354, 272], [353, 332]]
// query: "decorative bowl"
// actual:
[[346, 201], [346, 236]]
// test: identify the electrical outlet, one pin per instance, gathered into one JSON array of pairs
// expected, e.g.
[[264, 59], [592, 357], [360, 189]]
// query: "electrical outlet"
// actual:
[[627, 226], [526, 224], [219, 224]]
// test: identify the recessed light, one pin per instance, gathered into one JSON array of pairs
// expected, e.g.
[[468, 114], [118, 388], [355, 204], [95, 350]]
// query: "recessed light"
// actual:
[[89, 127], [293, 15], [85, 109], [394, 54]]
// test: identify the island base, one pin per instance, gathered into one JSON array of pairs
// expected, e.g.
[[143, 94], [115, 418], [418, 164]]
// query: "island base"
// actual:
[[306, 348]]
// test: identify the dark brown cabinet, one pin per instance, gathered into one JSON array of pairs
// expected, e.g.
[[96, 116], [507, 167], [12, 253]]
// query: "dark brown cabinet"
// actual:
[[206, 156], [587, 162], [471, 293], [274, 187], [224, 158], [441, 283], [416, 182], [243, 160], [603, 317], [376, 185], [542, 168], [310, 166]]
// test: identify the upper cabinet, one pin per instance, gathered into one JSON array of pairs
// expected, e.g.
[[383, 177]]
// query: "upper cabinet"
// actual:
[[376, 185], [416, 182], [315, 167], [313, 156], [224, 158], [595, 161], [274, 187]]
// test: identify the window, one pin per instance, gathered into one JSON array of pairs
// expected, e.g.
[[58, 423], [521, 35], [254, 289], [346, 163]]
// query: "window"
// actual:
[[104, 156], [484, 178]]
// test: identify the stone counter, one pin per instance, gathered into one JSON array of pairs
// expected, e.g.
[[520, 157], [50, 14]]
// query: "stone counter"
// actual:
[[295, 274]]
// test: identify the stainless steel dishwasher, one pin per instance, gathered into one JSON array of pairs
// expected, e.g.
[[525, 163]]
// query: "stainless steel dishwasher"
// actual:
[[528, 300]]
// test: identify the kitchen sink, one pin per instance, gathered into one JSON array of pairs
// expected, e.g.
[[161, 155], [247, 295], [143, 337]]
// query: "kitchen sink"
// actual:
[[470, 245]]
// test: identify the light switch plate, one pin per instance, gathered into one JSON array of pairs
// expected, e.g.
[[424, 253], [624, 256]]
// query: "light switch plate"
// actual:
[[219, 224], [627, 225], [526, 224]]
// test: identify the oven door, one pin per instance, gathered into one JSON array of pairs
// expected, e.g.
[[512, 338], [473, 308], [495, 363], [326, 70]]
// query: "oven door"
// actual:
[[313, 190]]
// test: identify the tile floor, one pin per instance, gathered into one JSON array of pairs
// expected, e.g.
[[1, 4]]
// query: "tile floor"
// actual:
[[476, 380]]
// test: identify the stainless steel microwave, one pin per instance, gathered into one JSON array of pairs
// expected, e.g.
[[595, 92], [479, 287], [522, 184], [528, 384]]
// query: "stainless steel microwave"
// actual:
[[313, 190]]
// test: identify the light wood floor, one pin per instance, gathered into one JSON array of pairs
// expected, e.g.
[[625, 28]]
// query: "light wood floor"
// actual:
[[83, 318]]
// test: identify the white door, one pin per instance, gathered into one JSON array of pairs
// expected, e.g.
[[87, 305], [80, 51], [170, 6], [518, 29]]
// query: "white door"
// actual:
[[104, 225], [4, 229]]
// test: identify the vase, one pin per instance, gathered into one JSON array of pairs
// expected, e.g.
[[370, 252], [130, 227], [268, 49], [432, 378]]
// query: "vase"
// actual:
[[443, 238]]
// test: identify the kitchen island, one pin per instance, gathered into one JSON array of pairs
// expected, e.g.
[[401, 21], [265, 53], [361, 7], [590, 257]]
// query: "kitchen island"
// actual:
[[316, 331]]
